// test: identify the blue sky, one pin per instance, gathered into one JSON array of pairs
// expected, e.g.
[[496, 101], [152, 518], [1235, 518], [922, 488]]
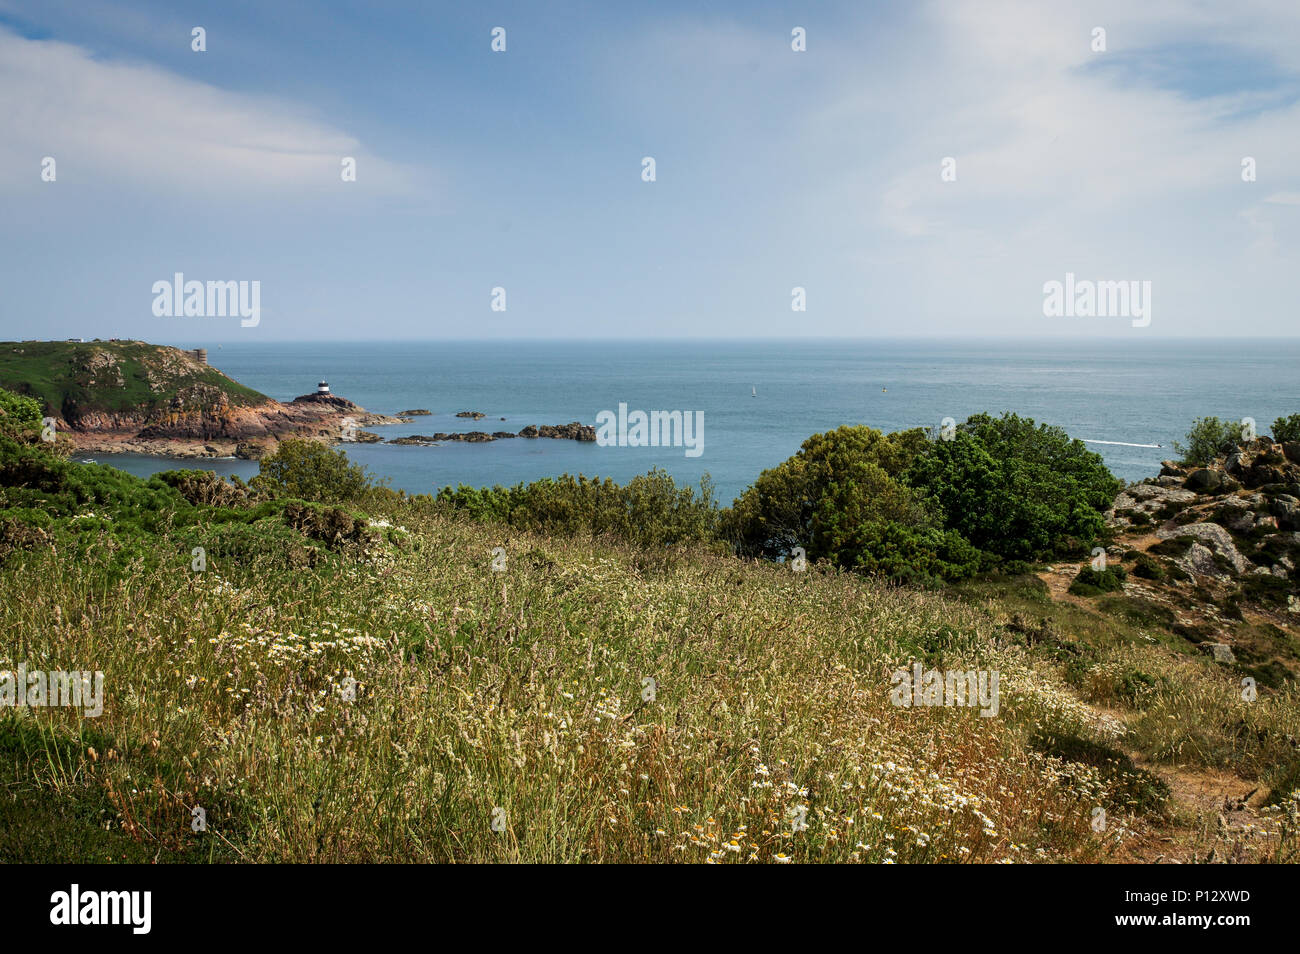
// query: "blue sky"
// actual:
[[522, 169]]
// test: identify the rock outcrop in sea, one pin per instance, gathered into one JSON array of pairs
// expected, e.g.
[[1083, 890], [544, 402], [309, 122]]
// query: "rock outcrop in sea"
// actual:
[[573, 431]]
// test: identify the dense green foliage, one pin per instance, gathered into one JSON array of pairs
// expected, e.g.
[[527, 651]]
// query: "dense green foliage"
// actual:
[[1016, 490], [18, 413], [650, 510], [1091, 582], [918, 510], [1287, 429], [820, 497], [1208, 438], [309, 470]]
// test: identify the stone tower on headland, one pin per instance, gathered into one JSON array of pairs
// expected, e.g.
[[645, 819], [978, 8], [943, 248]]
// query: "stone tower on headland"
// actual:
[[199, 354]]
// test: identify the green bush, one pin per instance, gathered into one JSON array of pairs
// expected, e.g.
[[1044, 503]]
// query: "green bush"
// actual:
[[1090, 582], [1016, 489], [309, 470], [1287, 429], [18, 414], [650, 510], [1208, 438], [923, 557], [835, 498], [1149, 568]]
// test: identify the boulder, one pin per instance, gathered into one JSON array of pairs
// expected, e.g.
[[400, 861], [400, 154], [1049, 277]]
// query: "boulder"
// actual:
[[1261, 474], [1204, 481], [1221, 652], [1287, 512], [1170, 469], [1217, 538], [1199, 561], [1291, 451], [1238, 519], [1151, 497], [253, 450]]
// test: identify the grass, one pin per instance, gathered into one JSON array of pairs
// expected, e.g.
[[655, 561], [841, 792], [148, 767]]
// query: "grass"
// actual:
[[522, 691], [337, 688], [123, 376]]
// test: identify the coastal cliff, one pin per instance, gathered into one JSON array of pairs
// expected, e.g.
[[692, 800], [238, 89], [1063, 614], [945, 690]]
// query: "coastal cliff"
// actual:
[[134, 397]]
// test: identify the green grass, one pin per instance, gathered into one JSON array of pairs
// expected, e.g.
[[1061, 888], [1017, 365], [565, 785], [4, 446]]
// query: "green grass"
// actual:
[[60, 376]]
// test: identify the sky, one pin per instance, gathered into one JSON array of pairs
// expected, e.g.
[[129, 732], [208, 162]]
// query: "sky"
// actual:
[[774, 168]]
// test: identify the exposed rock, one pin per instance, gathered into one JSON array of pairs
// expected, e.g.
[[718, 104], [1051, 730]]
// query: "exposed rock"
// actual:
[[1287, 511], [200, 420], [1148, 498], [1169, 468], [254, 450], [469, 437], [1204, 481], [1291, 451], [418, 412], [1199, 561], [476, 415], [1237, 518], [1221, 652], [1261, 474], [573, 431], [1216, 537]]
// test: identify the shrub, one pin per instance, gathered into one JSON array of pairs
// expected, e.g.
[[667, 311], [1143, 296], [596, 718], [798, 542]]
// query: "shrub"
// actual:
[[18, 414], [1090, 582], [1016, 489], [1148, 567], [835, 498], [309, 470], [650, 510], [1208, 438], [204, 487], [1287, 429], [925, 557]]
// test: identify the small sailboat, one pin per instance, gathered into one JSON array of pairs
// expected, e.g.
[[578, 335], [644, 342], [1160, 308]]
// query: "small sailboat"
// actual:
[[883, 390], [753, 392]]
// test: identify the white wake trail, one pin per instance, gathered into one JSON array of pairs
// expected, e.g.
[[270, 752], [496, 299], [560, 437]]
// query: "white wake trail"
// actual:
[[1120, 443]]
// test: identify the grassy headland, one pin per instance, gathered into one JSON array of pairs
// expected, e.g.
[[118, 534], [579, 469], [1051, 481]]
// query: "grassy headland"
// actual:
[[73, 379]]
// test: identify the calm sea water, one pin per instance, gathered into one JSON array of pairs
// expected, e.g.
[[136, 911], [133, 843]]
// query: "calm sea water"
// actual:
[[760, 399]]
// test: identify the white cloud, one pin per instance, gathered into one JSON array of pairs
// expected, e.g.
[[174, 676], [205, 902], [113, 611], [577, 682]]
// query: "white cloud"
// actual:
[[114, 123]]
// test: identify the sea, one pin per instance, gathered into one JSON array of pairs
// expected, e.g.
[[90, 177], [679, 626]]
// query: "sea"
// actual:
[[760, 399]]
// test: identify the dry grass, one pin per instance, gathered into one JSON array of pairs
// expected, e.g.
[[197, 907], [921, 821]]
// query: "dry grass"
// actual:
[[522, 691]]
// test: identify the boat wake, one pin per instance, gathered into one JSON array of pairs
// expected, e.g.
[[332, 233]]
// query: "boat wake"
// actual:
[[1120, 443]]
